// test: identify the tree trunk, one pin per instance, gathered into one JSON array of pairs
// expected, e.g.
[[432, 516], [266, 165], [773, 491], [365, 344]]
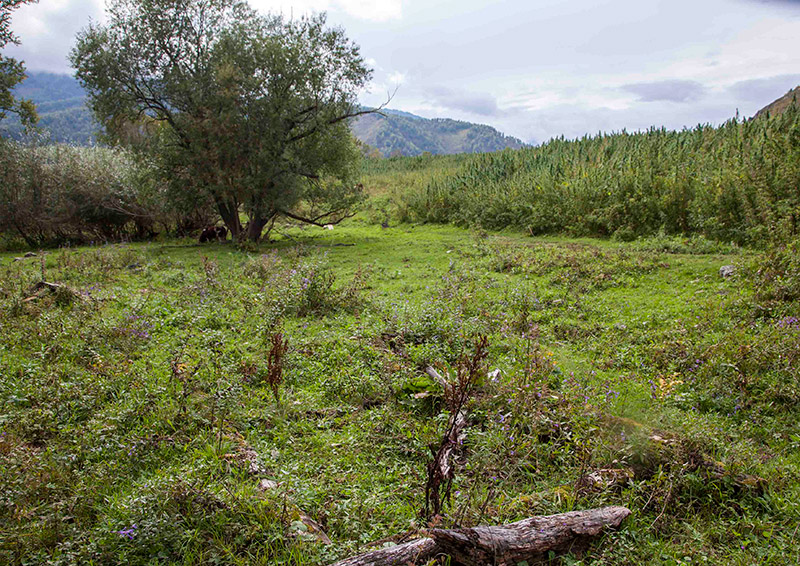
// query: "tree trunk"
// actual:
[[528, 540], [230, 216], [254, 228]]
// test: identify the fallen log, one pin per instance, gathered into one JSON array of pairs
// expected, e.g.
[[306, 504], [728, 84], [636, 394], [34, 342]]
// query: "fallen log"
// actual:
[[527, 540], [414, 552], [45, 285], [41, 288]]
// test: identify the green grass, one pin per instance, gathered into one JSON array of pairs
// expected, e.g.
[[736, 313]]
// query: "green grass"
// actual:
[[136, 419]]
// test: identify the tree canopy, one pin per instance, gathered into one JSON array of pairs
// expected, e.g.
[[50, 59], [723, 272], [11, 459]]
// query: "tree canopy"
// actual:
[[250, 110], [12, 72]]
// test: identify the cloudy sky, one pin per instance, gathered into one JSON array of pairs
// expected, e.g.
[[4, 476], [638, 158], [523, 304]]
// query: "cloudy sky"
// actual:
[[534, 69]]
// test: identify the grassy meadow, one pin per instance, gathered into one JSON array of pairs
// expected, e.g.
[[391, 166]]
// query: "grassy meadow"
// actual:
[[172, 403]]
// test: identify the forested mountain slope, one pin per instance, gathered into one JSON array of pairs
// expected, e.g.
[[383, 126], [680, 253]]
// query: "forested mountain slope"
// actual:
[[60, 101]]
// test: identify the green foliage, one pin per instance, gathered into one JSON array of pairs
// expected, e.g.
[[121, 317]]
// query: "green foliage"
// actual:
[[248, 110], [12, 72], [61, 194], [735, 183]]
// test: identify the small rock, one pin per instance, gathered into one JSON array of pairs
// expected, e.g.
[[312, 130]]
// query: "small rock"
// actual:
[[727, 271], [266, 485], [30, 254], [329, 226], [600, 480]]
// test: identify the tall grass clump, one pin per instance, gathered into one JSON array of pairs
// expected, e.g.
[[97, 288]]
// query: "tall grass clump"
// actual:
[[388, 181], [734, 183]]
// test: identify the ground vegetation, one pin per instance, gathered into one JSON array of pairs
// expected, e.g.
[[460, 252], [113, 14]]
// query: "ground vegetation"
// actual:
[[141, 423]]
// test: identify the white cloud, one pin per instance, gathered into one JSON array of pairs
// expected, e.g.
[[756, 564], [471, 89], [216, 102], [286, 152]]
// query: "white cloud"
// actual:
[[32, 22], [396, 78], [371, 10], [47, 31], [532, 69]]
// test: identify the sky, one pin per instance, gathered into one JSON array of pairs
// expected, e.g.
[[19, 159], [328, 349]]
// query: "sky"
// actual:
[[533, 69]]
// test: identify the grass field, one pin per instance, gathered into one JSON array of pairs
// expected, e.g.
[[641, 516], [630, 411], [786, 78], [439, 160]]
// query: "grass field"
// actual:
[[145, 419]]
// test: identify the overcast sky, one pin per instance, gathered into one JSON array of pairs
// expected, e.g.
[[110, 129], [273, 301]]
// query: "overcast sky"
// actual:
[[534, 69]]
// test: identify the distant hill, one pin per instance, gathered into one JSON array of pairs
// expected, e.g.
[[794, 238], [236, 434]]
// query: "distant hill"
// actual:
[[393, 132], [778, 106], [61, 103]]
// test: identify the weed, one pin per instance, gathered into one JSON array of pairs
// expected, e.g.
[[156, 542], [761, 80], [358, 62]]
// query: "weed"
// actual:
[[275, 361], [469, 373]]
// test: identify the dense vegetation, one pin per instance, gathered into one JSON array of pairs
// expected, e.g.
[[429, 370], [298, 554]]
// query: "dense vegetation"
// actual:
[[145, 416], [735, 183], [61, 195]]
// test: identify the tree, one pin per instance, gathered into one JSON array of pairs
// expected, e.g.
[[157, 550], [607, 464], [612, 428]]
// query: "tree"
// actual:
[[12, 72], [251, 110]]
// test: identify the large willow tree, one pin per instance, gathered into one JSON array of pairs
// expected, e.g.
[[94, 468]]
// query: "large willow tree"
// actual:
[[248, 110]]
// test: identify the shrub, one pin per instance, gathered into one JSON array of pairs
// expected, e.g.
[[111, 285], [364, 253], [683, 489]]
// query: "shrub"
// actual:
[[60, 194]]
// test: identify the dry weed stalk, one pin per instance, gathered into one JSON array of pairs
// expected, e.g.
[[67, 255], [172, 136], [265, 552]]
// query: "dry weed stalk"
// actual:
[[275, 360], [469, 371]]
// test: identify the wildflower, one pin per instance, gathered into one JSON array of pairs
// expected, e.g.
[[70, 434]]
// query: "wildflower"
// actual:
[[129, 532]]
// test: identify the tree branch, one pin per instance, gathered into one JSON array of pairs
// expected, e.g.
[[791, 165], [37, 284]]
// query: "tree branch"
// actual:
[[316, 220], [338, 119]]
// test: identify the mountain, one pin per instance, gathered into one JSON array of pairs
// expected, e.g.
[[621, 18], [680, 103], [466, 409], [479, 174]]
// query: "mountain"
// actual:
[[393, 132], [61, 103], [778, 106]]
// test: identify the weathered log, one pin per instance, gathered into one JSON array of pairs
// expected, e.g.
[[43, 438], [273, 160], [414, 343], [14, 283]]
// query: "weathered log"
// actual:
[[413, 552], [45, 285], [527, 540], [40, 289]]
